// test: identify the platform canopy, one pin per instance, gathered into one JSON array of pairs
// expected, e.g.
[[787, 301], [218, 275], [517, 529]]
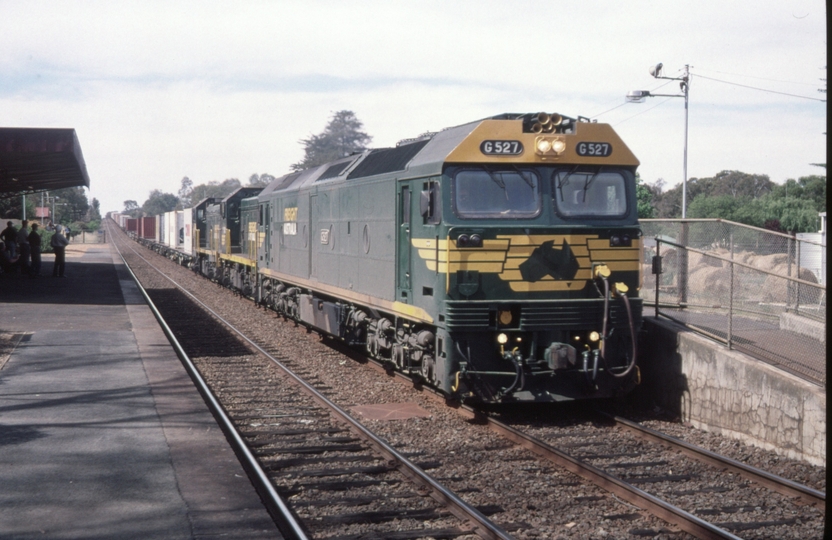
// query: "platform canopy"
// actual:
[[40, 159]]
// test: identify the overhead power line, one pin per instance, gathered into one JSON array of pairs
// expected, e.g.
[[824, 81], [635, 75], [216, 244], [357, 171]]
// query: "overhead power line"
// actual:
[[754, 77], [760, 89]]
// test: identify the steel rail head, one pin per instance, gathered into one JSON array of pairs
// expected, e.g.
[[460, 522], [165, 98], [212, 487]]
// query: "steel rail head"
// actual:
[[777, 483], [481, 524], [662, 509], [286, 521]]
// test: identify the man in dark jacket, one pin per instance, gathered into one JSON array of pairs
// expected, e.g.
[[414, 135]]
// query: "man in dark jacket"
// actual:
[[23, 246], [8, 263], [9, 236], [34, 248]]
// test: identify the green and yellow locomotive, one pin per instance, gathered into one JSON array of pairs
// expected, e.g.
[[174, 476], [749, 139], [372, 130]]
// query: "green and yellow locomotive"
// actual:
[[499, 260]]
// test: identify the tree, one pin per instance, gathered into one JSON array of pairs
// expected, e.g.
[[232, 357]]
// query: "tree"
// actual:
[[132, 209], [94, 213], [718, 206], [11, 205], [214, 188], [261, 180], [644, 199], [341, 137], [185, 189], [811, 188], [159, 203]]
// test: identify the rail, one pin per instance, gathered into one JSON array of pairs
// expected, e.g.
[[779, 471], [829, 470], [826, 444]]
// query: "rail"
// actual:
[[277, 507], [479, 523]]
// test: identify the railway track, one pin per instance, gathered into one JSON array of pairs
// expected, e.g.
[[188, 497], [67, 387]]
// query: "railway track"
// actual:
[[639, 457], [305, 444], [273, 429]]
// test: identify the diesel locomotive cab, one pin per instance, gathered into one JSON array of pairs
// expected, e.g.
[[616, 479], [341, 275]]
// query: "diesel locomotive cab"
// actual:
[[542, 269], [538, 243]]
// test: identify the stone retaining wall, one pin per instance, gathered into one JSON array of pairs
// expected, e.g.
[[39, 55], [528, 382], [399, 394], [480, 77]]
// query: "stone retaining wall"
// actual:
[[730, 393]]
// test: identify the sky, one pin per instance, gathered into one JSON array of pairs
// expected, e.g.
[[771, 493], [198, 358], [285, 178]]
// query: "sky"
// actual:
[[157, 91]]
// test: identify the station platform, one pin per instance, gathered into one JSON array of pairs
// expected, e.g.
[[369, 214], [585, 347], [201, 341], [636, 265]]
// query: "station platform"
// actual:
[[102, 432]]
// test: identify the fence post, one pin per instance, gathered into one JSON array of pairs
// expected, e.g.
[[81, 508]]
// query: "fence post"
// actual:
[[797, 283], [658, 276], [731, 295], [682, 259], [789, 288]]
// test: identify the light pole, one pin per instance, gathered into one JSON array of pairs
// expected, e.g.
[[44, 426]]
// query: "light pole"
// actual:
[[638, 96]]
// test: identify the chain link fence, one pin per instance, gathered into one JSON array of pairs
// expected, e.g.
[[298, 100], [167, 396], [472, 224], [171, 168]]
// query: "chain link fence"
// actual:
[[746, 287]]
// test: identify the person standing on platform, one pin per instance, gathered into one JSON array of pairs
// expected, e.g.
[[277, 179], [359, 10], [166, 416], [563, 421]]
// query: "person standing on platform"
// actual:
[[9, 237], [34, 248], [8, 263], [23, 246], [59, 243]]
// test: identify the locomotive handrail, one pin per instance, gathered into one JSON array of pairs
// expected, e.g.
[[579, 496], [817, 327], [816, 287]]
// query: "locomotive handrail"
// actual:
[[744, 265]]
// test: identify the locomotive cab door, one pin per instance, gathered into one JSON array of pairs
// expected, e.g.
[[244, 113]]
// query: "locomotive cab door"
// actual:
[[403, 270]]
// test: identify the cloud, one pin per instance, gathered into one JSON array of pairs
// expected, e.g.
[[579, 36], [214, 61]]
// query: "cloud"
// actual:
[[213, 90]]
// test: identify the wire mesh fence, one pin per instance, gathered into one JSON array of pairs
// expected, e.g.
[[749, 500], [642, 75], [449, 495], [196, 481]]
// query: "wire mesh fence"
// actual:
[[740, 285], [90, 237]]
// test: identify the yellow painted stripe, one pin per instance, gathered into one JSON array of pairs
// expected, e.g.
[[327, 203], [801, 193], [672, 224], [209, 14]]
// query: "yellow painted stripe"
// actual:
[[411, 312], [615, 255], [428, 243], [482, 267], [603, 243], [624, 266], [237, 259], [511, 264], [537, 239], [543, 286], [526, 251], [477, 256], [430, 254], [514, 275]]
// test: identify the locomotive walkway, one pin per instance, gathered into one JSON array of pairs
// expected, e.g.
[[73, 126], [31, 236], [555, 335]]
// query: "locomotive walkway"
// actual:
[[102, 433]]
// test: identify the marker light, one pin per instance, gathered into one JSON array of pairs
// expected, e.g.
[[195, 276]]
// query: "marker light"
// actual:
[[502, 339]]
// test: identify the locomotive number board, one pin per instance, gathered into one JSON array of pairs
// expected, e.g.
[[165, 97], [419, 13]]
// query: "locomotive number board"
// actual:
[[594, 149], [501, 148]]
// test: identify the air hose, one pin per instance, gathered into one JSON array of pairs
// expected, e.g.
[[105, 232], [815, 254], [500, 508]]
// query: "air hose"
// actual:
[[619, 290]]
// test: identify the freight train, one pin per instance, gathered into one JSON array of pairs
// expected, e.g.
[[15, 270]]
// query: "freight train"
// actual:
[[499, 260]]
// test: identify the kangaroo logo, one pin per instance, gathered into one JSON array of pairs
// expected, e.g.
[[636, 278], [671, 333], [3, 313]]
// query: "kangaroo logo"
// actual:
[[548, 261]]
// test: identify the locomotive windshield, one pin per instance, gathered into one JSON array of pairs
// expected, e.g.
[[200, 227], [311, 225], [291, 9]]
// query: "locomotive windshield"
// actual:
[[496, 193], [589, 193]]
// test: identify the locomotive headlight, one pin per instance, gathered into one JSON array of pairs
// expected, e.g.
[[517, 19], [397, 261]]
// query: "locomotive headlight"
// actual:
[[594, 336], [502, 339], [548, 146]]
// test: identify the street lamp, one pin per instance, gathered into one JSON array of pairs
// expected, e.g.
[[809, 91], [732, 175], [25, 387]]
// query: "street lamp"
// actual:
[[638, 96]]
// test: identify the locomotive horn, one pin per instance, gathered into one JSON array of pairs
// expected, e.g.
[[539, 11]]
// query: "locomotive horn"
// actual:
[[556, 119], [543, 118], [537, 127]]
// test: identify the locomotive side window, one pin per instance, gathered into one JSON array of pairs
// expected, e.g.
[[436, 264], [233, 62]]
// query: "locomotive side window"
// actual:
[[430, 203], [589, 193], [504, 194]]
